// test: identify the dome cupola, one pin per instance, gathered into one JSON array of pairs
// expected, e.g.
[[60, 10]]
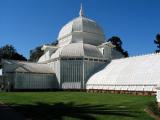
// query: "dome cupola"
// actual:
[[81, 29]]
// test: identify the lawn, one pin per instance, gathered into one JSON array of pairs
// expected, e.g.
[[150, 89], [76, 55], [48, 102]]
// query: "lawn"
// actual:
[[78, 105]]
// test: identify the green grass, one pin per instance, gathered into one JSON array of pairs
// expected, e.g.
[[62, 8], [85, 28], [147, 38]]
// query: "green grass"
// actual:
[[78, 105]]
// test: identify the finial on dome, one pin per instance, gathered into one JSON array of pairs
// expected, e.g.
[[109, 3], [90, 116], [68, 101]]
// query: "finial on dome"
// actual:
[[81, 11]]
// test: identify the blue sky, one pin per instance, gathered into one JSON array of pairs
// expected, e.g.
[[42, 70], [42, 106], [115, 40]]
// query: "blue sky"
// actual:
[[29, 23]]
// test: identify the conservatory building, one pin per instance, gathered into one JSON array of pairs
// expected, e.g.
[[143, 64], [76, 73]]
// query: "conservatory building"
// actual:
[[81, 52], [83, 60]]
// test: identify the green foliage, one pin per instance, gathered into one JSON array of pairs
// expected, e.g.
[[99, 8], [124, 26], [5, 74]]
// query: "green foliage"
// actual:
[[35, 54], [9, 52], [55, 43], [118, 43], [78, 105], [157, 42], [153, 107]]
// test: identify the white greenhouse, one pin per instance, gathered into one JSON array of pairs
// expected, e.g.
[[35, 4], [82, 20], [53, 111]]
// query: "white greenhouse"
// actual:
[[139, 73], [20, 75], [83, 59], [81, 52]]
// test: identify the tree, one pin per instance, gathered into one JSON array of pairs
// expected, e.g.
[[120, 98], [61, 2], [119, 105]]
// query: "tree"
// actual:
[[54, 43], [9, 52], [118, 45], [125, 53], [157, 42], [18, 56], [35, 54]]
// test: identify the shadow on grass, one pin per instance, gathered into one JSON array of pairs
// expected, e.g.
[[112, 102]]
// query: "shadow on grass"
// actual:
[[153, 107], [57, 111]]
